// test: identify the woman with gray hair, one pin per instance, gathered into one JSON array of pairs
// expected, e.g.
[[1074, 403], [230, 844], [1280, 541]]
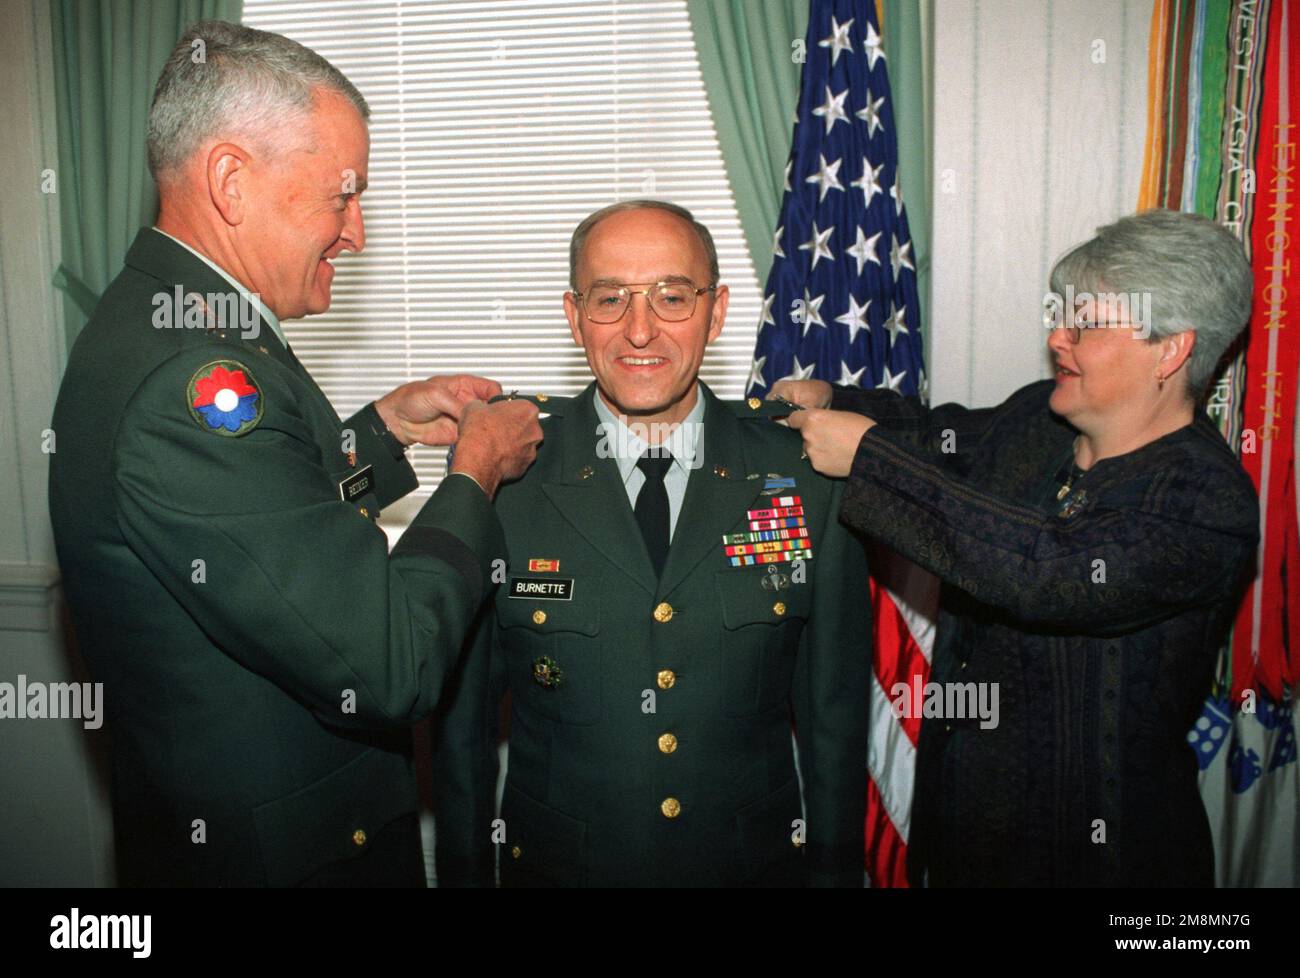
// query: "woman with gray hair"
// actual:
[[1091, 535]]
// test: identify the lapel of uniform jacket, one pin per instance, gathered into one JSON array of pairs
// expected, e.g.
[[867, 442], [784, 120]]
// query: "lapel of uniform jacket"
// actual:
[[589, 493], [717, 494]]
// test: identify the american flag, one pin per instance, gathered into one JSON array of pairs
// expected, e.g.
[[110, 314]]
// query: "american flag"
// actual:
[[841, 305]]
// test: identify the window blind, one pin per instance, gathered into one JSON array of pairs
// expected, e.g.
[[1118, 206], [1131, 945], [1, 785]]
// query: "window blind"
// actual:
[[496, 126]]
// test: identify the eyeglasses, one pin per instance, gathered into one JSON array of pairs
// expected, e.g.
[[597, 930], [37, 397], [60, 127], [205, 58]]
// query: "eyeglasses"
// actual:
[[1074, 330], [672, 302]]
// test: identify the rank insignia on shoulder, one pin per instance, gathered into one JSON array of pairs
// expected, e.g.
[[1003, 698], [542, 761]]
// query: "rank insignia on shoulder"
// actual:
[[224, 399], [754, 407], [547, 672], [545, 403]]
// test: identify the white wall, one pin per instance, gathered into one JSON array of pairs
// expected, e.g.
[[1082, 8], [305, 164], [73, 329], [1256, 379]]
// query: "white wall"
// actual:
[[1035, 145]]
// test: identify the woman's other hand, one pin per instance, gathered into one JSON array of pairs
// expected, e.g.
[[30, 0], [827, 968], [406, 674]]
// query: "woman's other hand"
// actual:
[[830, 438]]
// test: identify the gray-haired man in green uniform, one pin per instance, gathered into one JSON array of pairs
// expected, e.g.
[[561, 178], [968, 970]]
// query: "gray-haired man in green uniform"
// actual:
[[679, 592], [215, 520]]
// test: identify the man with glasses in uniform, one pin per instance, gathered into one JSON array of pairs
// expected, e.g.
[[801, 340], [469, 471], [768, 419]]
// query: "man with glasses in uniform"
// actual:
[[679, 594]]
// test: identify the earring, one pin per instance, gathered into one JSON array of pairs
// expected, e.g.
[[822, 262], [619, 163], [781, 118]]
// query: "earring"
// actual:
[[1160, 382]]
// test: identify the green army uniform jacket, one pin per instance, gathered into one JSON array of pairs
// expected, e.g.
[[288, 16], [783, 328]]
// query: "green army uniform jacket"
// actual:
[[650, 721], [230, 589]]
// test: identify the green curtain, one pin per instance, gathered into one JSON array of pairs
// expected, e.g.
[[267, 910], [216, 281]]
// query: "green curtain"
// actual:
[[107, 57], [908, 60], [752, 80]]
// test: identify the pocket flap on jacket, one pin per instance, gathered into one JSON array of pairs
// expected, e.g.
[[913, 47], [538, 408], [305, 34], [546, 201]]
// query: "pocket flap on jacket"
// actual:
[[334, 818], [550, 844], [581, 614], [745, 601]]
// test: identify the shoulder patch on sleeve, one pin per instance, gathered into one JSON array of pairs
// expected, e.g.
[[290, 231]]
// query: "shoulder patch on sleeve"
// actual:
[[224, 399]]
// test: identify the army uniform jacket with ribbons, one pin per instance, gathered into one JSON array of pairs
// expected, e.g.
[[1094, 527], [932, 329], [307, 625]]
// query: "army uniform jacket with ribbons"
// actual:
[[650, 720], [229, 587], [1097, 604]]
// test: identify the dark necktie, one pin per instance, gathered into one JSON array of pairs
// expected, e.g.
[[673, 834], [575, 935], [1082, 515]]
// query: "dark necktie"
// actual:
[[652, 508]]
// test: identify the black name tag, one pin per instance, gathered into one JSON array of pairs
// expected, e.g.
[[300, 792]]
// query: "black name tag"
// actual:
[[542, 588], [357, 485]]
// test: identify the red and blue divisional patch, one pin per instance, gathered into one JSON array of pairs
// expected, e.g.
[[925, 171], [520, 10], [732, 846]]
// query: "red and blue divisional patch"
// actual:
[[223, 398]]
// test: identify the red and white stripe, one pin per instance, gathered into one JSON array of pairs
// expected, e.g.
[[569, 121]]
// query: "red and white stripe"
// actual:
[[905, 602]]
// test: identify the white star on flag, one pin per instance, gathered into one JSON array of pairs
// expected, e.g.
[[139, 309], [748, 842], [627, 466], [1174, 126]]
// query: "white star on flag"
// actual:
[[812, 311], [896, 191], [900, 257], [799, 372], [869, 182], [756, 374], [853, 379], [895, 324], [788, 164], [839, 39], [870, 114], [833, 109], [776, 241], [873, 46], [864, 249], [817, 244], [856, 318], [890, 381], [826, 177], [766, 319]]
